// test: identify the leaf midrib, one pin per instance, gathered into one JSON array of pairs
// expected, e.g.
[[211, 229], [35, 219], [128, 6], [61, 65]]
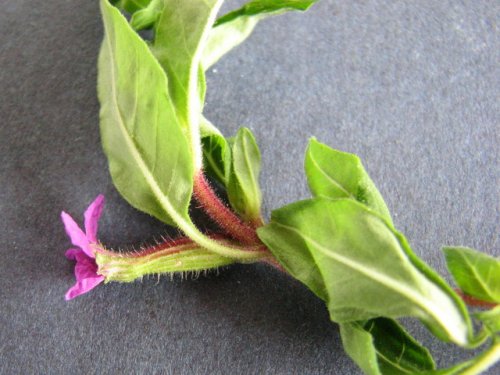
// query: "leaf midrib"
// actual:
[[329, 178], [478, 278], [253, 181], [382, 279], [163, 200]]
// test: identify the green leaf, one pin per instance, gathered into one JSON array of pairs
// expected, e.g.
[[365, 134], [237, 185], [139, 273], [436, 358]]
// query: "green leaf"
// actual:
[[335, 174], [485, 360], [454, 370], [351, 258], [149, 156], [243, 188], [476, 273], [397, 351], [147, 17], [207, 128], [382, 346], [216, 152], [233, 28], [257, 7], [491, 319], [476, 365], [147, 151], [181, 33], [358, 344], [131, 6]]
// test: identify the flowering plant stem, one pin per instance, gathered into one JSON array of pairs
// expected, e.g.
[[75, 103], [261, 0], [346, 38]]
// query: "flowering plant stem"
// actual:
[[169, 257], [341, 243], [221, 214]]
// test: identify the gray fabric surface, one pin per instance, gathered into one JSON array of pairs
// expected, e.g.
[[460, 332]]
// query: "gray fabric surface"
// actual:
[[412, 87]]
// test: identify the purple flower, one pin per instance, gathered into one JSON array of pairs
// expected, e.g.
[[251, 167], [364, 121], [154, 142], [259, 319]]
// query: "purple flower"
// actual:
[[86, 274]]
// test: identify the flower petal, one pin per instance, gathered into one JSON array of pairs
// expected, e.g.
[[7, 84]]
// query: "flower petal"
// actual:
[[85, 267], [83, 286], [85, 273], [72, 253], [78, 238], [92, 215]]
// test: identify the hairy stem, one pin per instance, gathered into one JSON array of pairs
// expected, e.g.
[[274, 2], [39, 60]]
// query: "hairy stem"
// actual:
[[169, 257], [275, 264], [221, 214]]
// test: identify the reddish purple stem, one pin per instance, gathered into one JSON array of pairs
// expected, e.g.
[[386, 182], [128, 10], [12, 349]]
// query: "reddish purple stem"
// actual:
[[221, 214]]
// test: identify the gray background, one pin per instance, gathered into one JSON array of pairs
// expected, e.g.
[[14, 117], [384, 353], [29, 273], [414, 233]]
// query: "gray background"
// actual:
[[412, 87]]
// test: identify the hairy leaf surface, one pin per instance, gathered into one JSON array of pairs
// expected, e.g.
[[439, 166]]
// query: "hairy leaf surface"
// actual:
[[147, 151], [335, 174], [351, 258], [216, 152], [147, 17], [181, 33], [243, 187], [477, 274], [381, 346]]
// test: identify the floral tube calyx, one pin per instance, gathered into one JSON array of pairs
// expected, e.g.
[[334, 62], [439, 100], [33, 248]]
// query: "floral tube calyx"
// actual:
[[175, 257]]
